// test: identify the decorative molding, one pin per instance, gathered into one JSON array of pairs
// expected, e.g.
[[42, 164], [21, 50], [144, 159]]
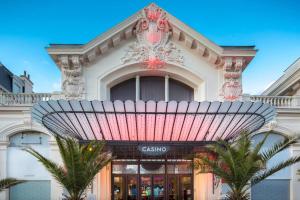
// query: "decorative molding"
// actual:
[[232, 86], [72, 77], [153, 47], [286, 81], [17, 127]]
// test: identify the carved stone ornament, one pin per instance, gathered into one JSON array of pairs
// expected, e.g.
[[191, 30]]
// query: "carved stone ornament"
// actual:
[[232, 90], [153, 47], [232, 87], [72, 77]]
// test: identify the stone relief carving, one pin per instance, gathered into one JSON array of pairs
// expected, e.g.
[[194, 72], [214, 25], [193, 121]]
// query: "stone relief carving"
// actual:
[[153, 47], [72, 77], [232, 87]]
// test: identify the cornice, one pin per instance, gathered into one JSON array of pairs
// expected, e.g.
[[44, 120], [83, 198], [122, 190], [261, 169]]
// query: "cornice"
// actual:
[[287, 80], [16, 108]]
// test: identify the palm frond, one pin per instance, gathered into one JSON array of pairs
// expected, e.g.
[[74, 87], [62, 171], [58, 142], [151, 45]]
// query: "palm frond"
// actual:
[[278, 147], [261, 176], [239, 164], [9, 182], [54, 169], [258, 147], [80, 164]]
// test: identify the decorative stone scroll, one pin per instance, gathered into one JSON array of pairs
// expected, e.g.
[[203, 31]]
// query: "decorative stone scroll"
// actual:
[[153, 47], [232, 87], [72, 77]]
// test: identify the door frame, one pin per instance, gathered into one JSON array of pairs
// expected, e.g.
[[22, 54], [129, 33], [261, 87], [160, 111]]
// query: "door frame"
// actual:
[[125, 185], [139, 175]]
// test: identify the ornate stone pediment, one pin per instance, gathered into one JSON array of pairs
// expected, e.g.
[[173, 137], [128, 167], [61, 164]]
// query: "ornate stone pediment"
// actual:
[[153, 47], [152, 28]]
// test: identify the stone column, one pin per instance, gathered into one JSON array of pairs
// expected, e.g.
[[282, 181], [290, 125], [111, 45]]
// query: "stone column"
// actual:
[[3, 166], [103, 186], [56, 188], [203, 186]]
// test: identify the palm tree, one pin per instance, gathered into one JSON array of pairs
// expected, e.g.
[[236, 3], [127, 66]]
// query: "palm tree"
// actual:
[[241, 165], [81, 163], [8, 182]]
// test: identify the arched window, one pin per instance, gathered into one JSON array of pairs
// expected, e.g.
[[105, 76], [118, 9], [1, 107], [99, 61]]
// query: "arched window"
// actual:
[[28, 138], [23, 166], [154, 88], [179, 91], [123, 91]]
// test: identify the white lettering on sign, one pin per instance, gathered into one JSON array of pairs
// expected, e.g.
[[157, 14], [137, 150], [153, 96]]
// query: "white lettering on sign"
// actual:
[[153, 150]]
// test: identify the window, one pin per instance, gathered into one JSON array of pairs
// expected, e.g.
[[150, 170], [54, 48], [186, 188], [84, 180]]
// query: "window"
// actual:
[[31, 190], [123, 91], [28, 138], [125, 169], [181, 168], [152, 88], [156, 88], [152, 168], [179, 91]]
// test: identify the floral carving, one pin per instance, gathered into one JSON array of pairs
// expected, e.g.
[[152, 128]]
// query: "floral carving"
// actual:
[[152, 47]]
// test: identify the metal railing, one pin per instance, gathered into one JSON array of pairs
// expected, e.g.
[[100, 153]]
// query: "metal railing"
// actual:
[[23, 98], [31, 98]]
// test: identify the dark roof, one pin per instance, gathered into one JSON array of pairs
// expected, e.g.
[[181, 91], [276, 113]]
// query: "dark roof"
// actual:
[[7, 70]]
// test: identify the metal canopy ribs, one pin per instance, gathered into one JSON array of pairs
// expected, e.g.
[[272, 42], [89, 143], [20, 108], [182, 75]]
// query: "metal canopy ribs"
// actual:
[[140, 121]]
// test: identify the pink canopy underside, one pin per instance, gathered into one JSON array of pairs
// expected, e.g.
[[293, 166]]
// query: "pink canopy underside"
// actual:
[[151, 121]]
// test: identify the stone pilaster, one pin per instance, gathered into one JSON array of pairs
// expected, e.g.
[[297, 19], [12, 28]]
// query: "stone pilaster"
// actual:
[[295, 183], [56, 188], [3, 166]]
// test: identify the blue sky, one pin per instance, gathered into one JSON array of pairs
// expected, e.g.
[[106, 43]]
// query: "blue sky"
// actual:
[[28, 26]]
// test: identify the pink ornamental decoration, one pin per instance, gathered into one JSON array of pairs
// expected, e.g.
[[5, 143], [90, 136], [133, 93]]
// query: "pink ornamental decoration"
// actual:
[[154, 63], [232, 90], [153, 48]]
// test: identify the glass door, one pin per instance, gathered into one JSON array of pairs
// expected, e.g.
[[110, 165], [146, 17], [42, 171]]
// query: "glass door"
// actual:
[[152, 181], [186, 187], [146, 187], [132, 188], [118, 187], [159, 187], [173, 188]]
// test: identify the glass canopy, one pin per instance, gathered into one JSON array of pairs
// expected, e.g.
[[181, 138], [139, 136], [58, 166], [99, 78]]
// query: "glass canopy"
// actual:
[[151, 121]]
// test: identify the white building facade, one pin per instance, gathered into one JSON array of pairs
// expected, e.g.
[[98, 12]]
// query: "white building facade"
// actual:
[[150, 56]]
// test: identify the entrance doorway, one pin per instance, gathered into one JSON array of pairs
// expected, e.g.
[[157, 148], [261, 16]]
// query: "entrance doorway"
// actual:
[[152, 180]]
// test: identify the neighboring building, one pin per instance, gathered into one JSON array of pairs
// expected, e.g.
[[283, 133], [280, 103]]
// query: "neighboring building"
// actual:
[[10, 83], [160, 69], [6, 78]]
